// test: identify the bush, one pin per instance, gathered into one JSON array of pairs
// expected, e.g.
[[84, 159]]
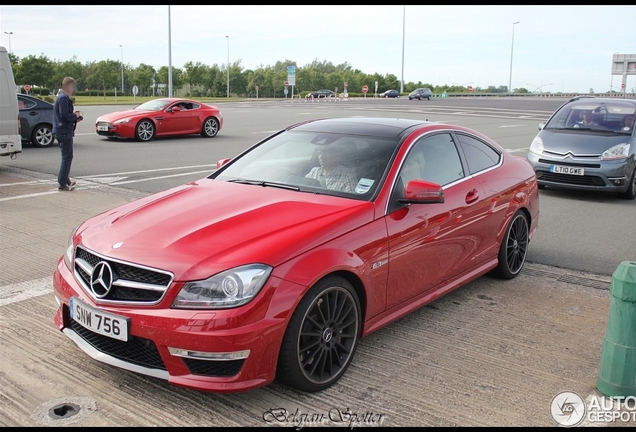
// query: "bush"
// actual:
[[96, 93], [49, 99]]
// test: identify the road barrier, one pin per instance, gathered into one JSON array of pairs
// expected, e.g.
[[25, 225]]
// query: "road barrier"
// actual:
[[617, 376]]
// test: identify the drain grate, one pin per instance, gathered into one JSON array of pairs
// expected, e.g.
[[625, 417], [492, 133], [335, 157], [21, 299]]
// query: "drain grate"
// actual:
[[568, 278]]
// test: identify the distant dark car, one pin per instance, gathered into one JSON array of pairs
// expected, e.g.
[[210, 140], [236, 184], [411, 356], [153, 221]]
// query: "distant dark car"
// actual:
[[390, 94], [36, 121], [421, 93], [323, 93]]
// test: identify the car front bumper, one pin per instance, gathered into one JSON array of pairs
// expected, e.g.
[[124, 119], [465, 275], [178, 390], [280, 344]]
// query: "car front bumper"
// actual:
[[606, 176], [171, 343]]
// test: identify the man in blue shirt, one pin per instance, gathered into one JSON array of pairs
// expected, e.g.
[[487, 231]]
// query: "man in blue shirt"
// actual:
[[64, 120]]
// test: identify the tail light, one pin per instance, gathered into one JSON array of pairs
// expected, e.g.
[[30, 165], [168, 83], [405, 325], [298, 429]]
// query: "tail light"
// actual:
[[19, 126]]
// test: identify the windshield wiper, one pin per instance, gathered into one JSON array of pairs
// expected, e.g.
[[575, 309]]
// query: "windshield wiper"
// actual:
[[265, 183]]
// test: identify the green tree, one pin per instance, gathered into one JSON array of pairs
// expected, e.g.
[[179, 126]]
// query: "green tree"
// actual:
[[106, 75], [177, 78], [195, 74], [37, 71], [73, 68], [15, 63], [142, 77]]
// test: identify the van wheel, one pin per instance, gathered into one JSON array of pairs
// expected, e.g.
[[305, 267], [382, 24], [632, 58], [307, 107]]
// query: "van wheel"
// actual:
[[321, 337], [42, 136]]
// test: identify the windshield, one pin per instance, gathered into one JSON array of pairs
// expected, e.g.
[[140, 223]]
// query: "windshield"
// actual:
[[153, 105], [316, 162], [591, 115]]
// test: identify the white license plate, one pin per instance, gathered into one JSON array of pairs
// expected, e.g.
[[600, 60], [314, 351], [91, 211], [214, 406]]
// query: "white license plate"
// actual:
[[567, 170], [102, 128], [98, 321]]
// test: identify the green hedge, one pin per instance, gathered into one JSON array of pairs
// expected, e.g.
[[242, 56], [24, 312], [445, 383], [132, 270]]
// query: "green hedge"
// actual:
[[96, 93]]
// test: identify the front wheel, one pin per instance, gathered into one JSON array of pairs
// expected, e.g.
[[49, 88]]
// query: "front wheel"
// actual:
[[321, 337], [514, 247], [145, 130], [42, 136], [630, 193], [210, 127]]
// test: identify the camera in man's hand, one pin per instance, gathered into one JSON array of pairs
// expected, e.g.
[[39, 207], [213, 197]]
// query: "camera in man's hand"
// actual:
[[79, 115]]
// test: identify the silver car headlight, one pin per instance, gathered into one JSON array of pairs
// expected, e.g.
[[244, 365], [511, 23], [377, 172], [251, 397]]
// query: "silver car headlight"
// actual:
[[121, 121], [228, 289], [537, 146], [617, 152], [69, 255]]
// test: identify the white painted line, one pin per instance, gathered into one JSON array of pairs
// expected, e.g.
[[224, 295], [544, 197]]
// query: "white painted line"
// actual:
[[149, 171], [266, 132], [26, 290], [38, 194], [32, 182], [158, 178], [510, 126], [86, 134], [105, 180]]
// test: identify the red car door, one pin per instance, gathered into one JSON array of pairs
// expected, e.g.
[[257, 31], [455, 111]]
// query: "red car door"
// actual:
[[178, 121], [430, 243]]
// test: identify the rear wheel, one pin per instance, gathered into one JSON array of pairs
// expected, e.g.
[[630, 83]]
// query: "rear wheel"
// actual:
[[42, 136], [210, 127], [321, 337], [145, 130], [630, 193], [514, 247]]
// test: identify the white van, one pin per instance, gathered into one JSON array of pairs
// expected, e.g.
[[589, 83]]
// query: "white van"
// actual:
[[10, 139]]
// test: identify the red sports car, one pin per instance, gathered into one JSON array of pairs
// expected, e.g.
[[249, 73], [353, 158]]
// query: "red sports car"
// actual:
[[275, 265], [162, 117]]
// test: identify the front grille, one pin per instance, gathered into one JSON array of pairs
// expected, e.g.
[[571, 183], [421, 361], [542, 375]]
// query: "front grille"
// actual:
[[584, 180], [138, 351], [571, 164], [102, 123], [130, 283], [213, 368]]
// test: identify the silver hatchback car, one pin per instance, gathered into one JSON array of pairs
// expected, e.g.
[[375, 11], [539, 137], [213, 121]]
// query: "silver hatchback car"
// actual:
[[588, 143]]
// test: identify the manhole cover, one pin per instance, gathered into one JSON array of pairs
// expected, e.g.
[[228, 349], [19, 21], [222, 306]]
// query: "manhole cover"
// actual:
[[63, 411]]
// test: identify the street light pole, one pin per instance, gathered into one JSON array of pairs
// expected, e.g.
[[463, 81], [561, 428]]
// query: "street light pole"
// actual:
[[403, 37], [9, 33], [122, 69], [512, 48], [228, 66], [169, 55]]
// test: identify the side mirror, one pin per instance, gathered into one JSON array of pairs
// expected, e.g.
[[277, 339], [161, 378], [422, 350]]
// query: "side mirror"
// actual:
[[175, 109], [222, 162], [541, 126], [422, 192]]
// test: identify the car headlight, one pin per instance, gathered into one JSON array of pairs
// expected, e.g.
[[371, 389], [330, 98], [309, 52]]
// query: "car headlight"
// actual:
[[536, 146], [617, 152], [122, 121], [228, 289], [70, 250]]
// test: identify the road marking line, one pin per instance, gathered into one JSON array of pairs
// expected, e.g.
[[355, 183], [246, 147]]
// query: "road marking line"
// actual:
[[158, 178], [26, 290], [84, 134], [148, 171], [510, 126], [33, 195]]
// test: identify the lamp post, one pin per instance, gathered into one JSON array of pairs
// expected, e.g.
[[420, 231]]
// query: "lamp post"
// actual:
[[169, 55], [122, 69], [403, 37], [228, 66], [512, 48], [9, 33]]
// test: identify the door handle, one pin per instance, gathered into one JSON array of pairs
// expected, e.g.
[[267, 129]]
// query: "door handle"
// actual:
[[472, 196], [33, 113]]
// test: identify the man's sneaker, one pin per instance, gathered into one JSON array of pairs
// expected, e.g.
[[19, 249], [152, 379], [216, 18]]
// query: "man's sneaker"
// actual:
[[66, 188], [72, 183]]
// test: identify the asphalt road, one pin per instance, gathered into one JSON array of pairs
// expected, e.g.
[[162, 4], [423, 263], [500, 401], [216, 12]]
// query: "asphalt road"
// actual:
[[580, 231]]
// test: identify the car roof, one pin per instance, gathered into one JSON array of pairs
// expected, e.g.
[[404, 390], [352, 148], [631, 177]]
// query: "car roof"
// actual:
[[368, 126], [602, 99]]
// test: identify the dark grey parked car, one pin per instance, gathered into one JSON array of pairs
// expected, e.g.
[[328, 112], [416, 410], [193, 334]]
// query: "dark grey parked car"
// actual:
[[421, 93], [588, 143], [36, 120]]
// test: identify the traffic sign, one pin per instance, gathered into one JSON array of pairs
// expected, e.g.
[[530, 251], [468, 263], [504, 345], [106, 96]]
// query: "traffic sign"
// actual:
[[291, 75], [135, 90], [622, 86], [286, 84], [365, 88], [470, 89], [376, 86], [256, 88], [27, 88], [346, 85], [286, 91]]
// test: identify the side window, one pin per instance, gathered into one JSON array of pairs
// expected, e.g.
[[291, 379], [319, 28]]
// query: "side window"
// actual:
[[433, 159], [25, 103], [479, 155]]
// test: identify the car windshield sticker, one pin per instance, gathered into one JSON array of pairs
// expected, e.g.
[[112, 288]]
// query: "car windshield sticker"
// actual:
[[364, 185]]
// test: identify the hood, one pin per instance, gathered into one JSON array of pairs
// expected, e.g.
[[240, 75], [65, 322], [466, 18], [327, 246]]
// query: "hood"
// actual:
[[118, 115], [205, 227], [580, 142]]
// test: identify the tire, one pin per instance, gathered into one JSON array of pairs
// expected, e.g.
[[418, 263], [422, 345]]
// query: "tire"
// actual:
[[428, 98], [514, 247], [42, 136], [317, 330], [210, 127], [541, 186], [145, 131], [410, 98], [630, 193]]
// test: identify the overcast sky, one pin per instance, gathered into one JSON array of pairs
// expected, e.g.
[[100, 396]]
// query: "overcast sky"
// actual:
[[556, 48]]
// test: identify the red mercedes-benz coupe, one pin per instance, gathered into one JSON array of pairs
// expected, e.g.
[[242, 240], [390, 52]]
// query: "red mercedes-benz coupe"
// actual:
[[275, 265], [162, 117]]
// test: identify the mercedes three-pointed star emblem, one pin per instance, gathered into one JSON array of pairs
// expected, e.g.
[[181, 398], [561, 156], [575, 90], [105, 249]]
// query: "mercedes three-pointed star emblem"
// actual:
[[101, 279]]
